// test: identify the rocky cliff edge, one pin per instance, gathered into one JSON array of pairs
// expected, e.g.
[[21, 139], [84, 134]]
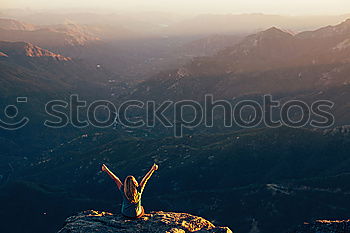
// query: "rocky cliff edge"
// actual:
[[156, 222]]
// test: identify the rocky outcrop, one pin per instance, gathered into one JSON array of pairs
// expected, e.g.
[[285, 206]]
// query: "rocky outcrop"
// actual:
[[156, 222], [23, 49], [325, 226]]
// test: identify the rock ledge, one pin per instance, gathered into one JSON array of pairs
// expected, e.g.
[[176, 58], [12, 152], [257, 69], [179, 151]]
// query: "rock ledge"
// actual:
[[325, 226], [156, 222]]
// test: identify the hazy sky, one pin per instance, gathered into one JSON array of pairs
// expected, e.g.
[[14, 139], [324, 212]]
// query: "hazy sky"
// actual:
[[291, 7]]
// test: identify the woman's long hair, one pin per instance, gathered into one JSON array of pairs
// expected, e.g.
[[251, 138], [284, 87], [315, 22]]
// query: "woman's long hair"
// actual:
[[130, 189]]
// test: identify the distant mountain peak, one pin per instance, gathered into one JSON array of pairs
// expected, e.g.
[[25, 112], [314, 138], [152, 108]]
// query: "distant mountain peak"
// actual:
[[275, 32], [11, 24], [273, 29], [347, 21], [265, 39], [28, 50], [342, 29]]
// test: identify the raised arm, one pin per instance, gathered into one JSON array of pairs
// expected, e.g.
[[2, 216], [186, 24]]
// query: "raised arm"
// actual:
[[111, 174], [147, 176]]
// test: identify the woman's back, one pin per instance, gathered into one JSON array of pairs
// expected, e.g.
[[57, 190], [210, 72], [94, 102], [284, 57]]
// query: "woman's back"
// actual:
[[129, 208], [131, 192]]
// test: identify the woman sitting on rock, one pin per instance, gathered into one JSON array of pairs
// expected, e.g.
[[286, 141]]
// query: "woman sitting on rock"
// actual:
[[131, 192]]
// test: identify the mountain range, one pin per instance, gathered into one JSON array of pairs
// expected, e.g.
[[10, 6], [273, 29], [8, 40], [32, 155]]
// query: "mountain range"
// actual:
[[41, 76], [255, 180], [309, 65]]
